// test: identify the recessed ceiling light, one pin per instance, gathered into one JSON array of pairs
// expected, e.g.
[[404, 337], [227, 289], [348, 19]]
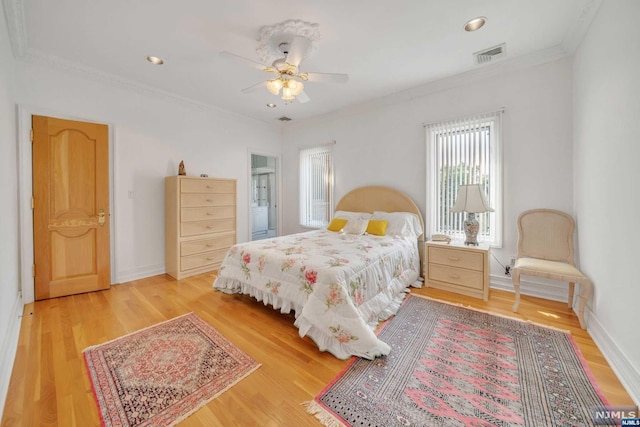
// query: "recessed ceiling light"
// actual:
[[155, 60], [271, 105], [475, 23]]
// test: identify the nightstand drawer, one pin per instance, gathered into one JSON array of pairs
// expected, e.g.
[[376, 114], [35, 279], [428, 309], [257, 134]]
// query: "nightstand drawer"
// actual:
[[458, 276], [456, 258], [456, 267]]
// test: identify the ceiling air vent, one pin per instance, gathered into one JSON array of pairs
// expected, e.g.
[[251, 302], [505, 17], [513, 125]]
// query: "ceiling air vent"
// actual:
[[490, 54], [284, 119]]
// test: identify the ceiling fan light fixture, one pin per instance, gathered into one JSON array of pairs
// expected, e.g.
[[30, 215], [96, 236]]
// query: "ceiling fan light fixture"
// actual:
[[475, 23], [274, 86], [295, 86], [280, 64], [287, 95]]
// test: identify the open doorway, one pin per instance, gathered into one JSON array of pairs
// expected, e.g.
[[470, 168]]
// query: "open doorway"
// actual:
[[264, 196]]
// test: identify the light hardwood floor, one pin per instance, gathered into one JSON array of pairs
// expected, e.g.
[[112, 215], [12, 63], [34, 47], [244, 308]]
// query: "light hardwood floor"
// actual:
[[50, 387]]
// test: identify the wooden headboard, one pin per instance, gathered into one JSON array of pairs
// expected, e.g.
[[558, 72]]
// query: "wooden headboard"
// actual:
[[378, 198]]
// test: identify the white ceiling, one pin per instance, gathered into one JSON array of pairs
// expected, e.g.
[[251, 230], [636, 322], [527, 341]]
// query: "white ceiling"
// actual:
[[386, 47]]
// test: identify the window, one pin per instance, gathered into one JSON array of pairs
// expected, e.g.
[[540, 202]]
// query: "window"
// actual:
[[316, 186], [459, 152]]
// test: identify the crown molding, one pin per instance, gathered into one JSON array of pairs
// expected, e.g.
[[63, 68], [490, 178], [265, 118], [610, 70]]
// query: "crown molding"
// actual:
[[51, 61], [482, 72], [574, 36], [16, 26]]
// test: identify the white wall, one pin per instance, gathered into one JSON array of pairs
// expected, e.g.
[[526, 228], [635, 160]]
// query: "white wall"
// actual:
[[10, 302], [385, 145], [606, 153], [151, 135]]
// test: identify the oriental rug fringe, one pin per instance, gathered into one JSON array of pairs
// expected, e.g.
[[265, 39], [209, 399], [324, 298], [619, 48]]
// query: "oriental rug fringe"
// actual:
[[160, 375], [453, 366]]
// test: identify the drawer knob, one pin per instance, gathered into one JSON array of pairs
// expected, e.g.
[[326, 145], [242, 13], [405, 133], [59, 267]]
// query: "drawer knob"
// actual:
[[209, 200], [454, 258], [209, 213], [454, 276], [210, 259], [209, 245]]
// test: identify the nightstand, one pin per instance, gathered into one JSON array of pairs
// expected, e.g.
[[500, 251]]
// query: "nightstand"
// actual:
[[457, 267]]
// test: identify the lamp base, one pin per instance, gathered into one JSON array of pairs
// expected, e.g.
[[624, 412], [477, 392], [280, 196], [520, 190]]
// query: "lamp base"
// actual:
[[471, 227]]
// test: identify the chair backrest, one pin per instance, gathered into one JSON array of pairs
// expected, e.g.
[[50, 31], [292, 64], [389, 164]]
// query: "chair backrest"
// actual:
[[546, 234]]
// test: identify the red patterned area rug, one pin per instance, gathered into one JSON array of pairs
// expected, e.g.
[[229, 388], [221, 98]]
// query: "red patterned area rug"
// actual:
[[160, 375], [453, 366]]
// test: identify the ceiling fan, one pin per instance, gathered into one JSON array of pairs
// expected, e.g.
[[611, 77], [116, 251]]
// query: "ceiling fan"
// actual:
[[288, 77]]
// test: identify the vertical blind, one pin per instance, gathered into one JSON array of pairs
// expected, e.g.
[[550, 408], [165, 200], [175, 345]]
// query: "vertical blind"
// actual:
[[316, 185], [465, 151]]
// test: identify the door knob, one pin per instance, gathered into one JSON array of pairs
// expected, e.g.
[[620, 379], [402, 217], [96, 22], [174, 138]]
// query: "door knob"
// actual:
[[101, 217]]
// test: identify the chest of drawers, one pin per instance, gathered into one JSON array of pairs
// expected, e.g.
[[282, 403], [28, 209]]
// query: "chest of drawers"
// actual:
[[458, 268], [200, 223]]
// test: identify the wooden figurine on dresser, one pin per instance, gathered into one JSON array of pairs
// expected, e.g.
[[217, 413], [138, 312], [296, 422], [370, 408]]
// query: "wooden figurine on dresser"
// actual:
[[200, 223], [181, 170]]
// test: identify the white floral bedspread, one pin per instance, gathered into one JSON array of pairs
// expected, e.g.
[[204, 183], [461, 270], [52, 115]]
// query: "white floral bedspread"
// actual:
[[339, 285]]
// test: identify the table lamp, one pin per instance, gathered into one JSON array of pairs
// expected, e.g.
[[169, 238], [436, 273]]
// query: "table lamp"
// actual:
[[471, 199]]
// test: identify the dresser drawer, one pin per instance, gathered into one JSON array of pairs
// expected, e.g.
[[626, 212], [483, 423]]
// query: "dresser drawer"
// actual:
[[203, 245], [207, 186], [204, 199], [204, 227], [206, 213], [456, 258], [458, 276], [202, 259]]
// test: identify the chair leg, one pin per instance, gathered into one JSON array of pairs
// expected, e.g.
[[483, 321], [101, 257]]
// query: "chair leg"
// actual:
[[586, 289], [571, 289], [515, 277]]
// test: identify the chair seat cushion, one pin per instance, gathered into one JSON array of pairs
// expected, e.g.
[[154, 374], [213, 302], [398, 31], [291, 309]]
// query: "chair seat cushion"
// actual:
[[551, 269]]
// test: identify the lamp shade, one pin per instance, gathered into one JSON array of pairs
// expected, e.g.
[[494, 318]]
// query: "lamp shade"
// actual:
[[287, 95], [274, 86], [295, 86], [471, 198]]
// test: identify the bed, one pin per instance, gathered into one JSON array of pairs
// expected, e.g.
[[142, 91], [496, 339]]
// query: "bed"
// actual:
[[340, 281]]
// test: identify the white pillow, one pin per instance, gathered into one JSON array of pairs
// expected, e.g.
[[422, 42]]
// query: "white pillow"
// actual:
[[356, 226], [352, 215], [400, 223]]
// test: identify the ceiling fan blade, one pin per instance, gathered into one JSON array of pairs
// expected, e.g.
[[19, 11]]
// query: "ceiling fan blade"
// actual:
[[298, 47], [242, 60], [252, 88], [327, 77], [303, 98]]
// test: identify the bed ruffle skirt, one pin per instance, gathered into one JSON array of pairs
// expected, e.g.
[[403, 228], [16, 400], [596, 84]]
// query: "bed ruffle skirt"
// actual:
[[367, 345]]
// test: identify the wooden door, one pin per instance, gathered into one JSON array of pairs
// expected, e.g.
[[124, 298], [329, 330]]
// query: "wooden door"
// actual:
[[71, 207]]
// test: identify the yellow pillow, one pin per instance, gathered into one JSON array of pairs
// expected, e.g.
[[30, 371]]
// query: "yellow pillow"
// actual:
[[377, 226], [337, 224]]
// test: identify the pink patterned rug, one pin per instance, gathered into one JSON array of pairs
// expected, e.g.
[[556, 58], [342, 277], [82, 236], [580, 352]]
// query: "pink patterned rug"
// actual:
[[160, 375], [452, 366]]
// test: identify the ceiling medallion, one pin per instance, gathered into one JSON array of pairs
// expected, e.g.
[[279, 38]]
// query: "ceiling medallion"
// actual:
[[273, 36]]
